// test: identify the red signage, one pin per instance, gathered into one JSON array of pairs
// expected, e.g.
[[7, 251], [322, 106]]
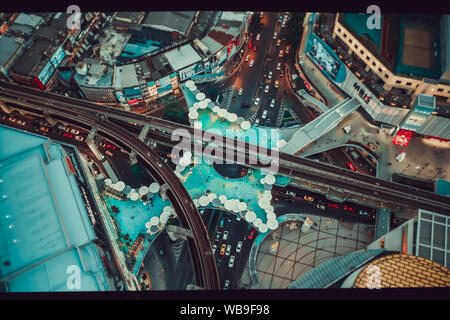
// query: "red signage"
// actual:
[[403, 137]]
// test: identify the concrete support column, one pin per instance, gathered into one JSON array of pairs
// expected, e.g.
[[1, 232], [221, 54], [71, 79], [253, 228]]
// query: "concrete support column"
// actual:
[[91, 134], [4, 107], [142, 136]]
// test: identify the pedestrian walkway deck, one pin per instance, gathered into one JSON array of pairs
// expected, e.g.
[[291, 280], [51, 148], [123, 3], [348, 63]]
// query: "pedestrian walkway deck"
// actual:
[[320, 126]]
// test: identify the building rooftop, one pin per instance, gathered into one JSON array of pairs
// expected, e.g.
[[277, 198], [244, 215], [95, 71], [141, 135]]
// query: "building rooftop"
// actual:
[[212, 44], [29, 20], [125, 76], [130, 16], [44, 226], [170, 20], [405, 271], [182, 57], [232, 18], [30, 61], [8, 46]]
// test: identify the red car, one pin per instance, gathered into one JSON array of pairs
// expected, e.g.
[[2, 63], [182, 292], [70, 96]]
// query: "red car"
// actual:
[[350, 165], [333, 205], [251, 235], [68, 135]]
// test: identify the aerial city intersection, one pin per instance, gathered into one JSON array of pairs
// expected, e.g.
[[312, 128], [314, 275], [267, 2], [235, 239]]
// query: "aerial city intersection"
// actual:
[[223, 150]]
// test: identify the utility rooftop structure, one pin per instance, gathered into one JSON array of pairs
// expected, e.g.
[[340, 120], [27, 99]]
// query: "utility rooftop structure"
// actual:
[[45, 230], [171, 21]]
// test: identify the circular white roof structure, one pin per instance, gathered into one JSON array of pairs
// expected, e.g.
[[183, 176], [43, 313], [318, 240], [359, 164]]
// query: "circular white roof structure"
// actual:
[[271, 215], [212, 196], [154, 221], [250, 216], [215, 109], [195, 106], [222, 113], [134, 196], [267, 194], [270, 210], [242, 206], [240, 120], [208, 100], [263, 228], [216, 202], [257, 222], [120, 186], [154, 187], [222, 198], [185, 162], [108, 182], [245, 125], [154, 229], [232, 117], [193, 88], [164, 217], [193, 115], [143, 190], [262, 181], [200, 96], [189, 83], [270, 179], [148, 224], [203, 201], [196, 202], [202, 104], [264, 203]]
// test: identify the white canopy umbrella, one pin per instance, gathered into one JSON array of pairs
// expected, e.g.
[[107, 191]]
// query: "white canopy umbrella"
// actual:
[[223, 198], [222, 113], [272, 224], [164, 217], [208, 100], [229, 205], [257, 222], [185, 162], [262, 181], [120, 186], [200, 96], [203, 201], [154, 187], [269, 210], [215, 109], [189, 83], [242, 206], [196, 202], [271, 215], [153, 229], [216, 202], [270, 179], [108, 182], [240, 120], [134, 196], [212, 196], [193, 88], [264, 203], [232, 117], [267, 194], [263, 228], [193, 115], [154, 221], [143, 190], [245, 125], [195, 106], [202, 104], [148, 224], [250, 216]]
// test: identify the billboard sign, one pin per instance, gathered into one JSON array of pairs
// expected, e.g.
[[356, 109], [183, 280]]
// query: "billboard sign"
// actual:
[[58, 57], [46, 73], [325, 58]]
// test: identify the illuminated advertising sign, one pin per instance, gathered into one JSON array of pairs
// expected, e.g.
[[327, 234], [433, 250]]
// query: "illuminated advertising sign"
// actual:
[[120, 96], [414, 121], [164, 84], [46, 73], [324, 57], [402, 137], [58, 57], [152, 88]]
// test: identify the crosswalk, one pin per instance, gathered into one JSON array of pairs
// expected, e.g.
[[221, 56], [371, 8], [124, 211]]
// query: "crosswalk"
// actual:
[[228, 96]]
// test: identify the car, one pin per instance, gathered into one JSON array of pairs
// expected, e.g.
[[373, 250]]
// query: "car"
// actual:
[[222, 249], [280, 18], [247, 58], [79, 138], [320, 206], [257, 122], [231, 262], [266, 89], [21, 122], [45, 129], [214, 248], [226, 285], [109, 153], [239, 247], [74, 131], [350, 165], [12, 119], [276, 84], [225, 235], [252, 234], [221, 223], [65, 134], [283, 24], [258, 36], [218, 234], [272, 103], [308, 198], [275, 35], [281, 54], [269, 75], [219, 262], [363, 212], [254, 48], [333, 205], [278, 66], [264, 114], [228, 251], [257, 101], [240, 91], [251, 63], [287, 50], [278, 42]]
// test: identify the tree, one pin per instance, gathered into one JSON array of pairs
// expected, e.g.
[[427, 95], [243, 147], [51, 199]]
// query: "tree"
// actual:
[[254, 22]]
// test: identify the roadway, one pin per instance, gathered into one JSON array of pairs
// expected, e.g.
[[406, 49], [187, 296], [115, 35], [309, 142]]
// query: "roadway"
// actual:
[[353, 182]]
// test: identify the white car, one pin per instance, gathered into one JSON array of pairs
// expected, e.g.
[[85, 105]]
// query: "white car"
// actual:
[[279, 66], [251, 63], [264, 115], [226, 285], [228, 250], [225, 235], [79, 138], [256, 124], [278, 42], [266, 89], [257, 101], [272, 103], [74, 131], [231, 263], [214, 248], [21, 122], [281, 54], [270, 75], [258, 36], [239, 247], [247, 58], [275, 35], [240, 91], [276, 84]]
